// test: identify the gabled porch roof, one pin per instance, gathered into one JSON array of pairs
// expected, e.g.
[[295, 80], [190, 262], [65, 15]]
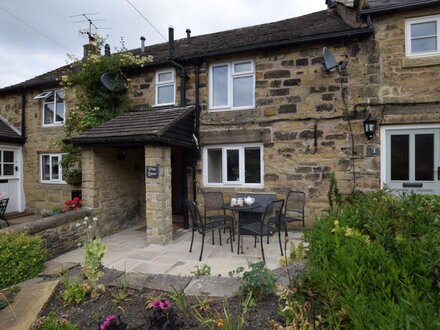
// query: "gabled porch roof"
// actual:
[[173, 126], [7, 134]]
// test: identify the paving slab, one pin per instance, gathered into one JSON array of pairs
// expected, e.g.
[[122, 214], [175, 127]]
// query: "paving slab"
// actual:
[[27, 304], [54, 269], [211, 286], [167, 282], [132, 280]]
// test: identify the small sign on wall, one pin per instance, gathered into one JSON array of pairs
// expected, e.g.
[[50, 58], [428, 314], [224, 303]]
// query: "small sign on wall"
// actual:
[[152, 172]]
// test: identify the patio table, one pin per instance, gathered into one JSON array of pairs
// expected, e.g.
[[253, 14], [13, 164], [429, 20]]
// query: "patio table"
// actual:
[[238, 209]]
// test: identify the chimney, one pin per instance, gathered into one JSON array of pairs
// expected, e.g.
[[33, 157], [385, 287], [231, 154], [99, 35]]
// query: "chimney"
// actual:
[[142, 45], [91, 48], [107, 50], [170, 42], [188, 36]]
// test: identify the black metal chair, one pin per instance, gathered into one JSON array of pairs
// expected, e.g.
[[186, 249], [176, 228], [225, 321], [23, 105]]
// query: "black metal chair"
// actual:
[[3, 205], [197, 224], [293, 212], [213, 202], [263, 227]]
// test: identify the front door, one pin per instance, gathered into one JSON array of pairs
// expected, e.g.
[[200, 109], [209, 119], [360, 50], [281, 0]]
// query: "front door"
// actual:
[[413, 160], [10, 182]]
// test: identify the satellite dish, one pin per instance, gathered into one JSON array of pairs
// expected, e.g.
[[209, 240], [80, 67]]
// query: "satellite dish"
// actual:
[[329, 60], [115, 82]]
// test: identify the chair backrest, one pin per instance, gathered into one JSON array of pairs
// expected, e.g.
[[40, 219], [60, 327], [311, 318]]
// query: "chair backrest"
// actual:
[[196, 218], [273, 209], [295, 202], [3, 205], [213, 200]]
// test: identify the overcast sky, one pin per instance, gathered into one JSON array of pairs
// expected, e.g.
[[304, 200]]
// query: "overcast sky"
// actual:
[[42, 32]]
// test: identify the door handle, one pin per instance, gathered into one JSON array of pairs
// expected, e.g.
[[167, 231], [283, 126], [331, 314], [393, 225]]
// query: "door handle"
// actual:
[[438, 173]]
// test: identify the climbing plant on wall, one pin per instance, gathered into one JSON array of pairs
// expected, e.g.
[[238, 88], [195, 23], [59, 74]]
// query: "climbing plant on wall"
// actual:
[[94, 104]]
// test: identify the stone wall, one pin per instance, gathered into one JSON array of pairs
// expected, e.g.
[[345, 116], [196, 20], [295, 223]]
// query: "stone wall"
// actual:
[[114, 188], [61, 233]]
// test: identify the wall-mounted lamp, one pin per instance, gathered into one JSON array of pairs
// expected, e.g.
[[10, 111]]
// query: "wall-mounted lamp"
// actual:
[[370, 126], [122, 154]]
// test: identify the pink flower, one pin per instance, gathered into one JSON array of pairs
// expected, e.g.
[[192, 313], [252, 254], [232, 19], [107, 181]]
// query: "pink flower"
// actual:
[[108, 320], [155, 303], [165, 304]]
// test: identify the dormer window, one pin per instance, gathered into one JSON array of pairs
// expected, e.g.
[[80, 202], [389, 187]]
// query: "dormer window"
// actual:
[[422, 36], [53, 107], [165, 87], [232, 86]]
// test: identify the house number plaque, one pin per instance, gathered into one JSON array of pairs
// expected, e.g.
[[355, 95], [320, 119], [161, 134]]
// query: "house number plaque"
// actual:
[[152, 172]]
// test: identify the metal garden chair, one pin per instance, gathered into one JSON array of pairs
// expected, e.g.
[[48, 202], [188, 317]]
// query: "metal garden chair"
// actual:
[[3, 205]]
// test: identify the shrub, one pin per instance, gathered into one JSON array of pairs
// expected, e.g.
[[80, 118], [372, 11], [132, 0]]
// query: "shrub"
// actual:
[[52, 322], [21, 257], [258, 281], [375, 262]]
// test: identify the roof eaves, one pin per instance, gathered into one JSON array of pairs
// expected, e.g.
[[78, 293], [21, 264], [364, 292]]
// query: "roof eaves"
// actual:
[[399, 7], [186, 112]]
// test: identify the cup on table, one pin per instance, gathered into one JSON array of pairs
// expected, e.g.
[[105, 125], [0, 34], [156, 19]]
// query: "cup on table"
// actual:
[[240, 201], [233, 201]]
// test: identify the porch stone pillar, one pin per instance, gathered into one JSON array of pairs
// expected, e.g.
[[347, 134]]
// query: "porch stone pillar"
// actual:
[[158, 196], [89, 192]]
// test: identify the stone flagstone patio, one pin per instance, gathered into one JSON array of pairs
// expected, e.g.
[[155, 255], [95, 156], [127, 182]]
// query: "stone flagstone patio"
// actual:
[[129, 251]]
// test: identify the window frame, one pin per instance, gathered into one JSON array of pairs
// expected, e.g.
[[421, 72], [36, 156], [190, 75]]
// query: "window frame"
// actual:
[[408, 40], [231, 75], [43, 96], [52, 181], [164, 84], [241, 182]]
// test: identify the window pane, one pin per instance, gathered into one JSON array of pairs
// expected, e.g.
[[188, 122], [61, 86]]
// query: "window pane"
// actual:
[[45, 165], [424, 157], [8, 156], [215, 165], [60, 107], [243, 88], [232, 165], [8, 169], [220, 85], [252, 165], [399, 157], [55, 168], [423, 29], [424, 45], [243, 67], [48, 113], [166, 76], [165, 94]]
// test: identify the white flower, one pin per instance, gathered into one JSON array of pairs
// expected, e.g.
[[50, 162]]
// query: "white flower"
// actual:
[[89, 227], [86, 219], [77, 224], [95, 219], [79, 244]]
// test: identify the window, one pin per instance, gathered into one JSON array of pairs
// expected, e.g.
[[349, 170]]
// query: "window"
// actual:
[[232, 86], [53, 107], [51, 168], [234, 165], [422, 36], [165, 87], [7, 162]]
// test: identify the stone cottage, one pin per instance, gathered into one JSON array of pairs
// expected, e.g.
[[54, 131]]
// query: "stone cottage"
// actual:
[[251, 110]]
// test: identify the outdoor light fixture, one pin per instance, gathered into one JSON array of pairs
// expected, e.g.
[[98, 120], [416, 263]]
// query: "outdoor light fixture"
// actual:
[[370, 126]]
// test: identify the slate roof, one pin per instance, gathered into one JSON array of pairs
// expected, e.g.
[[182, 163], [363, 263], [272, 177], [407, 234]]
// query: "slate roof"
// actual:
[[317, 26], [167, 126], [386, 6], [7, 134]]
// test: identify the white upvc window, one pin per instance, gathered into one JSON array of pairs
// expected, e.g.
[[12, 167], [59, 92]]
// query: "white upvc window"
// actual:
[[422, 36], [53, 107], [51, 171], [232, 86], [165, 87], [233, 165]]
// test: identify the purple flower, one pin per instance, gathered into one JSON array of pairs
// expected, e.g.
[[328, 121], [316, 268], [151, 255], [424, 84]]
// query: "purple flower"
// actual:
[[108, 320], [155, 303], [165, 304]]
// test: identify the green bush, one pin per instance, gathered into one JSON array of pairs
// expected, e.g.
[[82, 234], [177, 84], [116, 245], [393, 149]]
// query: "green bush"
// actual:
[[258, 280], [375, 262], [21, 257]]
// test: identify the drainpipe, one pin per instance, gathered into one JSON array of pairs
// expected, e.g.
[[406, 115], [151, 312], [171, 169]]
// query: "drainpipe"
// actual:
[[23, 117], [177, 65], [196, 154]]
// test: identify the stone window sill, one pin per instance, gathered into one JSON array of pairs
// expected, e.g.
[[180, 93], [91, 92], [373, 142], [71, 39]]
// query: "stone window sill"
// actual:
[[414, 62]]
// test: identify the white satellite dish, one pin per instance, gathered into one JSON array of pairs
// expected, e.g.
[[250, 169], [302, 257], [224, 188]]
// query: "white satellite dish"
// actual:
[[330, 62]]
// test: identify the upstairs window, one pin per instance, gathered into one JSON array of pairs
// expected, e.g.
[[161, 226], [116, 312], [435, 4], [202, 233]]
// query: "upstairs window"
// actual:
[[422, 36], [165, 87], [51, 171], [232, 86], [53, 107]]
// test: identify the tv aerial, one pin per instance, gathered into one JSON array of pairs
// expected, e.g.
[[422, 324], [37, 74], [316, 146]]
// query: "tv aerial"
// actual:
[[330, 63], [91, 22]]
